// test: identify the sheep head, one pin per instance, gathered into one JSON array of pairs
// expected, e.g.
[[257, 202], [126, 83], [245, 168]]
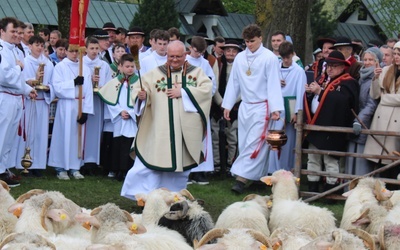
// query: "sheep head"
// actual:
[[36, 240], [177, 211]]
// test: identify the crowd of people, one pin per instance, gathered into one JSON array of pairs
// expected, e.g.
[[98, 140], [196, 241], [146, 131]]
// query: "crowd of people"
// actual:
[[153, 117]]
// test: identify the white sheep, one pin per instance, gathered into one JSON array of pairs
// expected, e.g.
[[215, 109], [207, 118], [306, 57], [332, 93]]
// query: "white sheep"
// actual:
[[233, 239], [51, 215], [291, 238], [113, 228], [253, 212], [288, 211], [340, 239], [45, 213], [26, 241], [362, 191], [7, 220], [157, 203]]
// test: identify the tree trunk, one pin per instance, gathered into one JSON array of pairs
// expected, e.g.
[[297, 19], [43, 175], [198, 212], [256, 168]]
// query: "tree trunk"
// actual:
[[64, 15], [291, 17]]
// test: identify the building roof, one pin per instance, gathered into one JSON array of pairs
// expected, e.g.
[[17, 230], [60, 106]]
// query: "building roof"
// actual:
[[380, 12], [361, 31], [201, 7], [231, 26], [44, 12]]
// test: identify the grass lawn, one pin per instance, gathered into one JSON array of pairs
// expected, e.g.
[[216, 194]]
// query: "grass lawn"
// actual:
[[97, 190]]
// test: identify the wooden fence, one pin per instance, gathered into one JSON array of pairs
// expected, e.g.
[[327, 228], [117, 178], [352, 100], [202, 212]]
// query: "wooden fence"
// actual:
[[299, 152]]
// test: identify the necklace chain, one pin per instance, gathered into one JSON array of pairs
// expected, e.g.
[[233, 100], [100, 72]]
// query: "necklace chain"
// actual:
[[248, 71]]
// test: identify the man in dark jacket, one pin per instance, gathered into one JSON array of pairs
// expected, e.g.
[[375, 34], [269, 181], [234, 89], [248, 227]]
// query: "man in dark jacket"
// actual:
[[329, 104]]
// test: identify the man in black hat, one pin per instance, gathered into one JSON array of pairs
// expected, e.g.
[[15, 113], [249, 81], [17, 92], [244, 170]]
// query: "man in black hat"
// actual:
[[136, 37], [104, 44], [330, 105], [112, 33], [347, 48], [319, 66], [230, 49]]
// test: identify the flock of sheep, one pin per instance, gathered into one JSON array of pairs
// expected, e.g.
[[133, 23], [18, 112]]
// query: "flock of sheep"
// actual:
[[170, 220]]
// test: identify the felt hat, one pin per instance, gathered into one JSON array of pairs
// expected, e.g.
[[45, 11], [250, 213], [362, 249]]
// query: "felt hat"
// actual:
[[208, 40], [345, 41], [321, 41], [317, 51], [232, 44], [135, 31], [122, 30], [376, 51], [336, 57], [101, 34], [110, 26]]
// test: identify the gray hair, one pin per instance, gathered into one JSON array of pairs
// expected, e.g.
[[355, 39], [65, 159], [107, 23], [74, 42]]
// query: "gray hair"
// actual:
[[28, 25]]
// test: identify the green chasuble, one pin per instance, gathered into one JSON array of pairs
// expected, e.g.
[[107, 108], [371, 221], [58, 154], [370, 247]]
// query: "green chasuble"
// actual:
[[170, 138]]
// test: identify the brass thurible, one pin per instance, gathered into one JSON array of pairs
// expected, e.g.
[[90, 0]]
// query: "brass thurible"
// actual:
[[26, 161]]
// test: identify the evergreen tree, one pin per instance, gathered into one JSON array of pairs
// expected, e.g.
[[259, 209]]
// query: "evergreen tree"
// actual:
[[155, 14], [322, 24]]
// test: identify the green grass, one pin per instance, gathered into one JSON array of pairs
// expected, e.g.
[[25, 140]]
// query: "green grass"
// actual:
[[94, 191]]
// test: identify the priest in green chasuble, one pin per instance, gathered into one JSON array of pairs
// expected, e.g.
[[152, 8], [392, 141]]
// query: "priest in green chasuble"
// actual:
[[173, 102]]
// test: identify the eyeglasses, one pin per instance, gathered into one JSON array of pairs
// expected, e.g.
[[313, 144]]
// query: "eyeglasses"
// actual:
[[73, 51], [333, 66], [175, 57]]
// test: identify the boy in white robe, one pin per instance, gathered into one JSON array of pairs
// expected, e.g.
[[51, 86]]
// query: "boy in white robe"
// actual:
[[12, 87], [255, 77], [36, 114], [159, 56], [293, 78], [116, 94], [63, 154], [94, 122], [197, 48]]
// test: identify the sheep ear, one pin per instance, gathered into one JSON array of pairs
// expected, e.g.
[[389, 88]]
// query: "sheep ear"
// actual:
[[95, 211], [128, 215], [201, 202], [269, 180], [141, 199], [136, 228], [16, 209], [348, 193], [5, 185], [57, 214], [84, 219], [362, 219]]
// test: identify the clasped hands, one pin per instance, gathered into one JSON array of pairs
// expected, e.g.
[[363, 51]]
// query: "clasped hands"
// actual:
[[313, 87], [174, 92]]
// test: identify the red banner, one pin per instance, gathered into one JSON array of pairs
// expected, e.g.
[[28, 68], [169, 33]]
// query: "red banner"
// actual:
[[79, 9]]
